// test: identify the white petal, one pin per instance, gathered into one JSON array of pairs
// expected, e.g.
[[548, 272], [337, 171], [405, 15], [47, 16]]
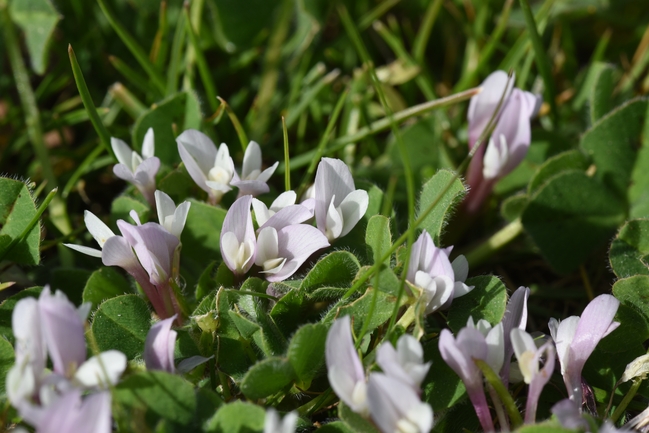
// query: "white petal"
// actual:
[[261, 212], [148, 145], [85, 250], [266, 174], [267, 246], [97, 228], [334, 224], [286, 198], [180, 218], [564, 336], [496, 346], [460, 268], [165, 206], [251, 160], [352, 209], [102, 370], [135, 217], [122, 151], [495, 157]]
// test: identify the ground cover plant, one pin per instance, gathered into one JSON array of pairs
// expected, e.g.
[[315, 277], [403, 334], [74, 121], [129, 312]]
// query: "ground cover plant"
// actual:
[[349, 216]]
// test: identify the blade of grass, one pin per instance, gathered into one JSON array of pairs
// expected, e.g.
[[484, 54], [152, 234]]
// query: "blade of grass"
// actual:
[[376, 13], [309, 96], [639, 63], [26, 94], [323, 142], [100, 129], [140, 81], [133, 47], [243, 138], [203, 68], [287, 172], [81, 170], [469, 77], [421, 40], [381, 125], [542, 60], [131, 104], [159, 47], [173, 71], [194, 20]]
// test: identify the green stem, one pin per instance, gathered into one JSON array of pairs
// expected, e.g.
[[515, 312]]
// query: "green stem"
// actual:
[[626, 400], [505, 397], [498, 240], [27, 97], [383, 124], [131, 104], [542, 60], [243, 138], [287, 162], [376, 13], [421, 40], [203, 68]]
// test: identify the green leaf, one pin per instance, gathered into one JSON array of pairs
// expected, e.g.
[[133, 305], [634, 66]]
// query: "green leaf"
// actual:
[[551, 426], [629, 250], [570, 216], [206, 282], [267, 377], [335, 427], [487, 300], [355, 422], [237, 417], [234, 356], [121, 323], [633, 313], [16, 211], [238, 24], [7, 358], [601, 94], [122, 205], [442, 387], [290, 309], [337, 269], [38, 19], [245, 326], [566, 161], [179, 185], [360, 308], [201, 236], [165, 395], [104, 283], [623, 127], [182, 110], [513, 206], [7, 308], [306, 352], [436, 220], [378, 238]]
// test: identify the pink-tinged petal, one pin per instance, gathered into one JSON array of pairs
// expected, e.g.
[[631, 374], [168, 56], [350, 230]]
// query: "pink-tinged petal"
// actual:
[[103, 370], [332, 178], [562, 333], [540, 379], [159, 346], [122, 151], [251, 160], [417, 251], [200, 148], [353, 208], [395, 406], [266, 174], [238, 220], [459, 354], [288, 216], [593, 324], [438, 292], [63, 331], [193, 168], [297, 243], [148, 145], [286, 198], [483, 105], [309, 203], [62, 415], [569, 415], [100, 231], [515, 317], [95, 416], [405, 363], [118, 252], [145, 173], [123, 172], [30, 343], [345, 370], [251, 187], [85, 250]]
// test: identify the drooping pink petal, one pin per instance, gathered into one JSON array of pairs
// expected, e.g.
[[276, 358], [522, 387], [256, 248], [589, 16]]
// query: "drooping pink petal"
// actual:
[[394, 405], [159, 346], [287, 216], [297, 243], [344, 367], [251, 187], [540, 379], [63, 331], [123, 172]]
